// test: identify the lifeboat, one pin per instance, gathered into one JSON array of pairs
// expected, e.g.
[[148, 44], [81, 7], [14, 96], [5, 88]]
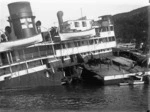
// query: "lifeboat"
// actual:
[[9, 45], [74, 29], [77, 35]]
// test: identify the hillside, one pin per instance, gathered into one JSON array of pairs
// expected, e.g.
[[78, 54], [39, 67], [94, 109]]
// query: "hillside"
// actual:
[[131, 26]]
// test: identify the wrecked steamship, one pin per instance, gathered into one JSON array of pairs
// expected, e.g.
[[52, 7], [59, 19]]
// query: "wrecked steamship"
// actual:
[[30, 58]]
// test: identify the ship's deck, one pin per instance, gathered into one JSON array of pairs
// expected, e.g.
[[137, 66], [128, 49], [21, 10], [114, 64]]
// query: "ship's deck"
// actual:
[[118, 66]]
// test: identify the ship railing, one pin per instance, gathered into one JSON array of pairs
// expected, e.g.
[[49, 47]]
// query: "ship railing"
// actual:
[[22, 67], [26, 57]]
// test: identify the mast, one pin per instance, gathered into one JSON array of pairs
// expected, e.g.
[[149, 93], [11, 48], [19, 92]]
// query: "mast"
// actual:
[[81, 13]]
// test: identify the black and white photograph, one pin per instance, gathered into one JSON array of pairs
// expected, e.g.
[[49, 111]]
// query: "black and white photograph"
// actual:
[[74, 55]]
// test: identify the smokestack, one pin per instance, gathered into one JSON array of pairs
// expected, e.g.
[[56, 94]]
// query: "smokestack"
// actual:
[[60, 20], [22, 19]]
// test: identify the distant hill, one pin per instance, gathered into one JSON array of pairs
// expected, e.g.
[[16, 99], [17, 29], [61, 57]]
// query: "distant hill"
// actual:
[[132, 25]]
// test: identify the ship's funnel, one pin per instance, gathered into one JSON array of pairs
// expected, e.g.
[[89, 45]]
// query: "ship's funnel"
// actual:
[[22, 20], [60, 20]]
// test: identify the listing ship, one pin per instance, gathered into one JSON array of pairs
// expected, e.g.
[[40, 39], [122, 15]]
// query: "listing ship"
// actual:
[[30, 58]]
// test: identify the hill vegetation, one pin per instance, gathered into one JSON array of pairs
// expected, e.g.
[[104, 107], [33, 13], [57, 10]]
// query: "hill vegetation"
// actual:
[[132, 26]]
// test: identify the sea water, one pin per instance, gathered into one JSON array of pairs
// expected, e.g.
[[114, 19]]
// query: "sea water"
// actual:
[[78, 99]]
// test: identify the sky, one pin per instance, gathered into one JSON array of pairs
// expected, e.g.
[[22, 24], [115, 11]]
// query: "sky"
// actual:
[[46, 10]]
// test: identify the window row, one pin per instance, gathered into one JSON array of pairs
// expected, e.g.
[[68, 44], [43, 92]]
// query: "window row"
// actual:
[[20, 67], [109, 28], [77, 24], [83, 43], [25, 54], [98, 51]]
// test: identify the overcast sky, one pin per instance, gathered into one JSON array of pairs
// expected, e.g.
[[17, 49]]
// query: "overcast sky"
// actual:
[[46, 10]]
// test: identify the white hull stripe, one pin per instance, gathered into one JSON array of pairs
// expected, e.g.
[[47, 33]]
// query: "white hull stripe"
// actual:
[[113, 77], [23, 72]]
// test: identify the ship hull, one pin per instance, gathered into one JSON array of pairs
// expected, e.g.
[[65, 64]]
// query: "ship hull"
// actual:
[[45, 77], [33, 80], [113, 81]]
